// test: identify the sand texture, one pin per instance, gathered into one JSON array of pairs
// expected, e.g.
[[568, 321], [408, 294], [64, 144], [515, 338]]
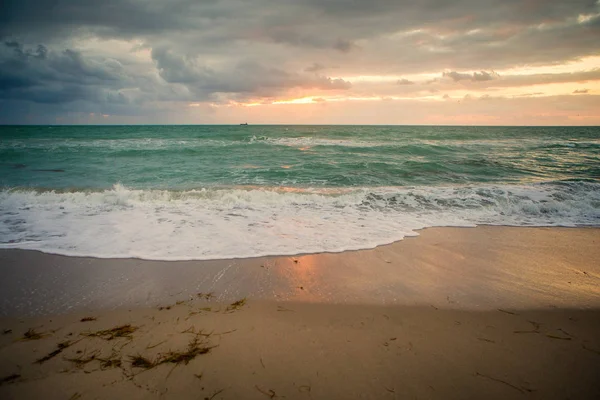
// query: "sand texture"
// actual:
[[490, 312]]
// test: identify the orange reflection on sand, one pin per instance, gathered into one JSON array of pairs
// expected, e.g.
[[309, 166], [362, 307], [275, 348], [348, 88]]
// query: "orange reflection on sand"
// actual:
[[287, 189], [302, 274]]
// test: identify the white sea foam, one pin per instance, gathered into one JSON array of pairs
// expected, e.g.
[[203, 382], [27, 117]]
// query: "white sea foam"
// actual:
[[146, 144], [310, 141], [249, 222]]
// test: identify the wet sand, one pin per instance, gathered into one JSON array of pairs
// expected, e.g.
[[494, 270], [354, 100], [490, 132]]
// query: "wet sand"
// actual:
[[469, 268], [489, 312]]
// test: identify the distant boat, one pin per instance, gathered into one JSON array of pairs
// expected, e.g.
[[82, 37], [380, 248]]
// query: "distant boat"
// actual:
[[245, 123]]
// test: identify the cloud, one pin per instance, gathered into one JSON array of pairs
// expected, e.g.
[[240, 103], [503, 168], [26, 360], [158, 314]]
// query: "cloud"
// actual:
[[316, 67], [41, 75], [136, 57], [546, 78], [246, 77], [533, 94], [580, 91], [343, 45], [475, 77]]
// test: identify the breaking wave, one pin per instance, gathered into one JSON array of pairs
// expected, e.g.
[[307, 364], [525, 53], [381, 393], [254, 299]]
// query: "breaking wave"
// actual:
[[233, 222]]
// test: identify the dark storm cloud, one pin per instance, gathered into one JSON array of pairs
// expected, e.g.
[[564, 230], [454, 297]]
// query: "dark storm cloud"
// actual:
[[244, 77], [59, 17], [305, 23], [44, 76]]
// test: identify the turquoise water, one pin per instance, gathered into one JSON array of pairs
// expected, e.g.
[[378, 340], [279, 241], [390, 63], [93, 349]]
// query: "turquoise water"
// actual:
[[181, 192], [187, 157]]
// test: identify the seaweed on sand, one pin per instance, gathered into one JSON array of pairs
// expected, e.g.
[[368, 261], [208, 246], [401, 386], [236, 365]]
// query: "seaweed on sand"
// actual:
[[59, 349], [214, 394], [32, 334], [82, 360], [9, 378], [123, 331], [196, 347], [270, 393], [139, 361], [206, 296], [112, 361], [236, 305]]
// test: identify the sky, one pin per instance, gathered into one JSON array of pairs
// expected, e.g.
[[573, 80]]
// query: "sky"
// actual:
[[465, 62]]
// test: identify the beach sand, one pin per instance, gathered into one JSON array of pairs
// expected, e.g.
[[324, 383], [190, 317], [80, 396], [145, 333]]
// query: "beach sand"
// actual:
[[487, 312]]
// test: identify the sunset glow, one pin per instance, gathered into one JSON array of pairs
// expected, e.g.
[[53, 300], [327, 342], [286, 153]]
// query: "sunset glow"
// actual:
[[402, 64]]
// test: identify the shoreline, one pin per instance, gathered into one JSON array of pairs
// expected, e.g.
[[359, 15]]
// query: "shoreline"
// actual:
[[394, 242], [471, 268]]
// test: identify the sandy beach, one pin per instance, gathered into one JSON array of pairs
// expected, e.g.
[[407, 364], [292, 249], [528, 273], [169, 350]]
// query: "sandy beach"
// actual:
[[487, 312]]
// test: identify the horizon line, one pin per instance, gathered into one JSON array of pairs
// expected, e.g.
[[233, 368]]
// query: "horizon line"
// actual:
[[284, 124]]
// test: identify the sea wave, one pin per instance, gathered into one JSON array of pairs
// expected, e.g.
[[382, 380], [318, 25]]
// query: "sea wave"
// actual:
[[232, 222]]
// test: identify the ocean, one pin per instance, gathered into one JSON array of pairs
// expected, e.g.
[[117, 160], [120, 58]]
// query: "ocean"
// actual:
[[213, 192]]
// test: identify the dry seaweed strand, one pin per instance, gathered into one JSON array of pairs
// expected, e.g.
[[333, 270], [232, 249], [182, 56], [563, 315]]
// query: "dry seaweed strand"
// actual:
[[88, 319], [589, 349], [214, 394], [32, 334], [189, 330], [82, 360], [139, 361], [507, 312], [155, 345], [222, 333], [270, 393], [236, 305], [558, 337], [9, 379], [519, 388], [206, 296], [198, 311], [112, 361], [123, 331], [195, 348], [59, 349], [536, 328]]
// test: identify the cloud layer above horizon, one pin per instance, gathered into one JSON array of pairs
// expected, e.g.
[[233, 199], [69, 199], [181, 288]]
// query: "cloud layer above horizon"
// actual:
[[514, 62]]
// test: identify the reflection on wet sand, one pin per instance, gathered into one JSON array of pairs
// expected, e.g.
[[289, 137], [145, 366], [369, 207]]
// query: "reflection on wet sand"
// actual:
[[481, 268], [303, 277]]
